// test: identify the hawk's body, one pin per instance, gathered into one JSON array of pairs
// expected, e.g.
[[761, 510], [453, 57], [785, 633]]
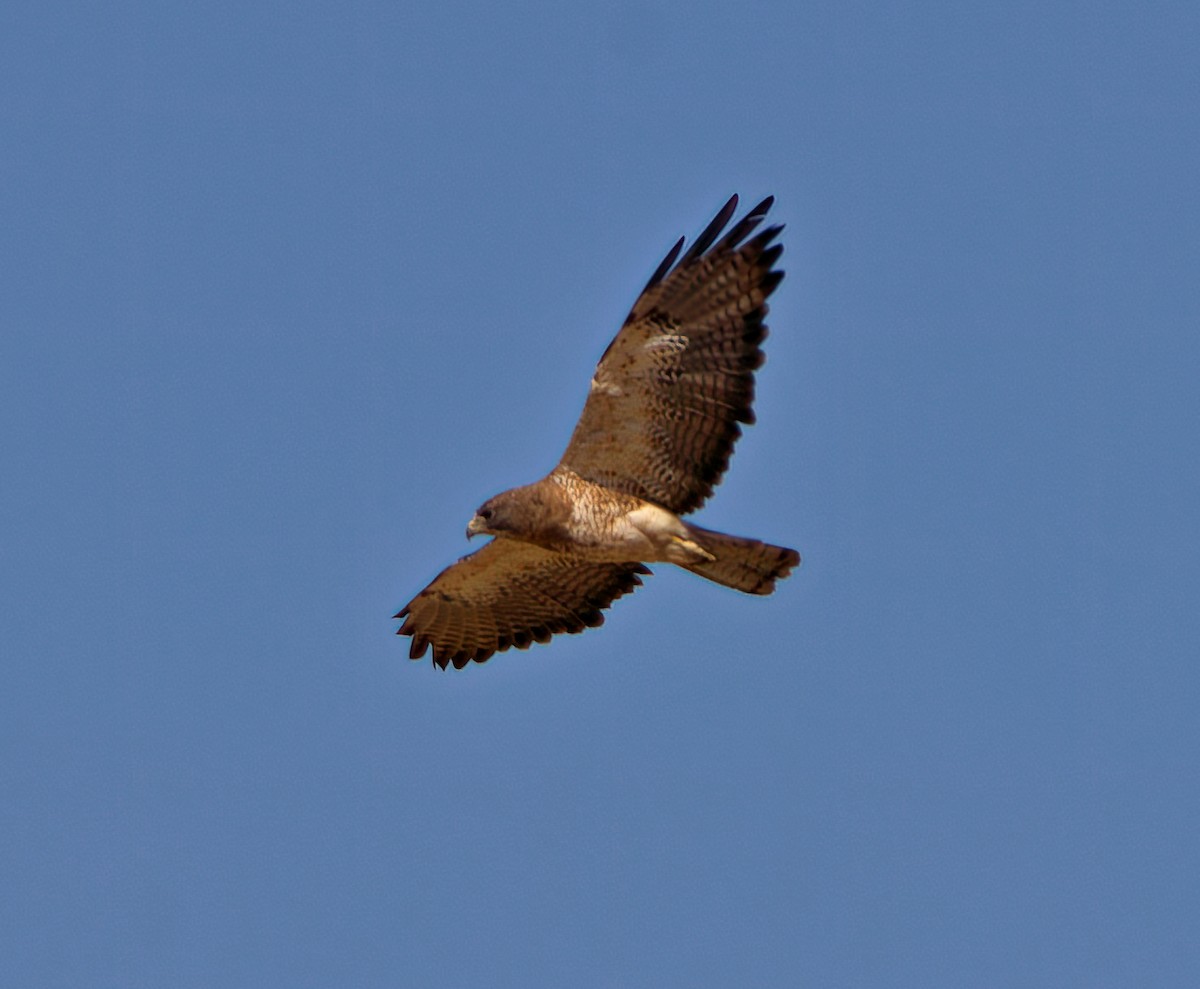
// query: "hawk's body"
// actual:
[[655, 436], [569, 514]]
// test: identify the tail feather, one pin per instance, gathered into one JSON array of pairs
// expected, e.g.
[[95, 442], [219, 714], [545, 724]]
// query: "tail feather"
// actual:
[[744, 564]]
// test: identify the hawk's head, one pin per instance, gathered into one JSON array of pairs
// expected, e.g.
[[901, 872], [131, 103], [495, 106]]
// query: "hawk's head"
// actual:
[[493, 517], [535, 513]]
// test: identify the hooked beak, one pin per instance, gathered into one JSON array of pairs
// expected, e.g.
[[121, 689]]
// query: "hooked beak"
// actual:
[[476, 527]]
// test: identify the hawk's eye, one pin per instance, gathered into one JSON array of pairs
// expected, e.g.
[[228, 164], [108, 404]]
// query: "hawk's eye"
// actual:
[[484, 513]]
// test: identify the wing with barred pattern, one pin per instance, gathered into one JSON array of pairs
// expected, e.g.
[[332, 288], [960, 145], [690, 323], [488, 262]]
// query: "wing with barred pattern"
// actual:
[[672, 388], [510, 593]]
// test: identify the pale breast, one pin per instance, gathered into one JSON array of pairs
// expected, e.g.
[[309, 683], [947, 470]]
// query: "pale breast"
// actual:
[[611, 526]]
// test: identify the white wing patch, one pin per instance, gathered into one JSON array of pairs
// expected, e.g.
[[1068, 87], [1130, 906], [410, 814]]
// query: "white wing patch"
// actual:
[[606, 387], [673, 342]]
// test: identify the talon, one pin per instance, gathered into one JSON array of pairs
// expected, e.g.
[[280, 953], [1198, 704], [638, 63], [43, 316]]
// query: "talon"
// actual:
[[694, 551]]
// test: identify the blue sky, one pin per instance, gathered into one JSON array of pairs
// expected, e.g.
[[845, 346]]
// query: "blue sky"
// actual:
[[289, 289]]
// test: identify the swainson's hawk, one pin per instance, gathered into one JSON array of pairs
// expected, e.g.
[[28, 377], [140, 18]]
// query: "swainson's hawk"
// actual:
[[654, 439]]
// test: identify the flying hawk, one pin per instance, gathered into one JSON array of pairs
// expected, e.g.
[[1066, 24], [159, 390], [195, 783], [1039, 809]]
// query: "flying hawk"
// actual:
[[654, 439]]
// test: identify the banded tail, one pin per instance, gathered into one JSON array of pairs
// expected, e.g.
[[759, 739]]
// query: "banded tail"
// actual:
[[747, 565]]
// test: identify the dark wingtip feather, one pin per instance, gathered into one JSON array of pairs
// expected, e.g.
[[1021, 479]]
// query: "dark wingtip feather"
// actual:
[[712, 231], [746, 225], [665, 265], [762, 208], [768, 257]]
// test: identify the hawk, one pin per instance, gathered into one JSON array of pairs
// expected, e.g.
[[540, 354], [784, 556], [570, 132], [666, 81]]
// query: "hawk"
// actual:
[[655, 437]]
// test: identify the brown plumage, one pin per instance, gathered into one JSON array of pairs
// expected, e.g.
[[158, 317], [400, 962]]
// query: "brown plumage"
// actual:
[[654, 439]]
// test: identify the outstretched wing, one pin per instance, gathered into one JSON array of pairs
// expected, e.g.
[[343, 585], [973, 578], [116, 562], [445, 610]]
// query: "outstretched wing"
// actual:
[[510, 593], [669, 392]]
